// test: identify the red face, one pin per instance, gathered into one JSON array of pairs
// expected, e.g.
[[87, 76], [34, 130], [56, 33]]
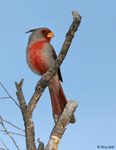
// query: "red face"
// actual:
[[47, 34]]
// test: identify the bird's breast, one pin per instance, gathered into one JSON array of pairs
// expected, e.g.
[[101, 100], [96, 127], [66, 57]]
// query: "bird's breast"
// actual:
[[38, 57]]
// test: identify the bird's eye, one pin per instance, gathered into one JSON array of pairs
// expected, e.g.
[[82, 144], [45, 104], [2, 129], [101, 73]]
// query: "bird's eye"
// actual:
[[43, 31]]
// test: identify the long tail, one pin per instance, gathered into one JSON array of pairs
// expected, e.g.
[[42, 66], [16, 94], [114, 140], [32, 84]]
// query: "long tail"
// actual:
[[58, 98]]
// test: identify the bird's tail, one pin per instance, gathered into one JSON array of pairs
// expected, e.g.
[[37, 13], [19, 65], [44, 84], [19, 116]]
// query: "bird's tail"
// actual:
[[58, 98]]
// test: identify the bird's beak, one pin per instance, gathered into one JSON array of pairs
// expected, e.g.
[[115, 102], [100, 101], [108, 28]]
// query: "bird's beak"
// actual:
[[50, 35]]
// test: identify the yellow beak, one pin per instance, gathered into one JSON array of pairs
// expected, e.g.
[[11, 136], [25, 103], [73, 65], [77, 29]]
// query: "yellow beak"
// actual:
[[50, 35]]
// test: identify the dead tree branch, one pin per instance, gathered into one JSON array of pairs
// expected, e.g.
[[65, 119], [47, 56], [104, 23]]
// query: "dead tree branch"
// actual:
[[12, 133], [8, 95], [40, 87], [60, 127], [29, 128], [12, 125], [4, 145], [1, 122]]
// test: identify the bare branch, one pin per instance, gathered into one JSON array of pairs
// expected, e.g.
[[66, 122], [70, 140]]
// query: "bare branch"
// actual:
[[20, 95], [29, 128], [12, 133], [41, 145], [8, 133], [13, 125], [4, 145], [59, 128], [4, 97], [9, 95], [2, 148], [15, 133]]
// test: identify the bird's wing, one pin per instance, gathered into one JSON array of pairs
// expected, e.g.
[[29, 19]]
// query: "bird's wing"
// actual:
[[59, 72]]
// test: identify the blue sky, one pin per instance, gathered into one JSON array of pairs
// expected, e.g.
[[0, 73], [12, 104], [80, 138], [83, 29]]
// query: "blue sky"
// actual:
[[89, 69]]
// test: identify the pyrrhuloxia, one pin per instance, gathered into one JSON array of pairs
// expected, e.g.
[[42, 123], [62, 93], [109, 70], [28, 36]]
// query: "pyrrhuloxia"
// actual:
[[40, 57]]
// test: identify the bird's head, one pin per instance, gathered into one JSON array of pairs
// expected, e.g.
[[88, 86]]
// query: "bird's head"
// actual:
[[40, 34]]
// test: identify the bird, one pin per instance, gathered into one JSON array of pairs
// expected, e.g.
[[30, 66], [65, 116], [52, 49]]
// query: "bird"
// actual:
[[40, 56]]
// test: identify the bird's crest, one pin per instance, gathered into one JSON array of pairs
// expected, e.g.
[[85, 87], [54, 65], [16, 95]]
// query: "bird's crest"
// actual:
[[30, 31]]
